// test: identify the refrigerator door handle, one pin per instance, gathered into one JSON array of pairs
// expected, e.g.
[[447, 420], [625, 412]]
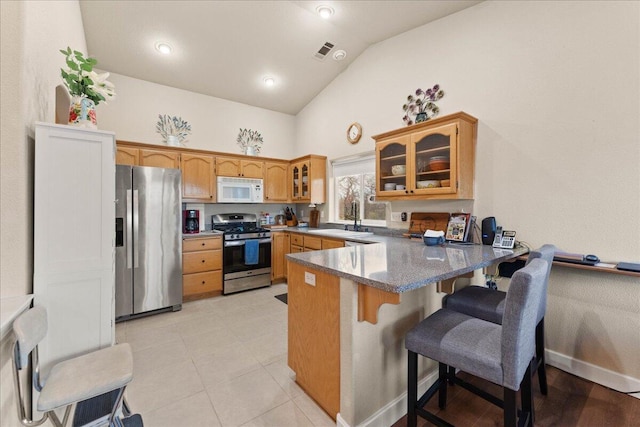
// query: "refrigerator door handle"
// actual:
[[129, 229], [135, 229]]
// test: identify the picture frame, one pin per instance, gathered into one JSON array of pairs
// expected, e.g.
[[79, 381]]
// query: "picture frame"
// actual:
[[458, 226]]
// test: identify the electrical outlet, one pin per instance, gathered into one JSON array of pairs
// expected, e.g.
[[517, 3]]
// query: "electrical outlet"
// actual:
[[396, 216], [321, 214], [309, 278], [301, 213]]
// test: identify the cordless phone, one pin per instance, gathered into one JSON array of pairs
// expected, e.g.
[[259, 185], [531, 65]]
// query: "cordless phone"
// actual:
[[504, 239]]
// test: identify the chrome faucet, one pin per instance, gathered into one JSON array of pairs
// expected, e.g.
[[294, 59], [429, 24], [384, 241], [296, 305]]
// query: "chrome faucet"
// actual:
[[354, 212]]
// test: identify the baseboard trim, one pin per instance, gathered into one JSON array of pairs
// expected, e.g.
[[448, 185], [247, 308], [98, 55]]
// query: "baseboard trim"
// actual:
[[394, 410], [597, 374]]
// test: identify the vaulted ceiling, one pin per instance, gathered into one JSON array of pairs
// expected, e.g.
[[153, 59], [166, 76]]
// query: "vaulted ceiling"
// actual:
[[226, 49]]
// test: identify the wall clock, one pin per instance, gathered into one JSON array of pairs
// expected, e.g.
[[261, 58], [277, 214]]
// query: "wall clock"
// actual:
[[354, 132]]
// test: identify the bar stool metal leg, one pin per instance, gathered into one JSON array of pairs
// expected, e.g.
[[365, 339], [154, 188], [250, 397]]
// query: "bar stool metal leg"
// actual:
[[412, 389], [542, 370], [442, 379]]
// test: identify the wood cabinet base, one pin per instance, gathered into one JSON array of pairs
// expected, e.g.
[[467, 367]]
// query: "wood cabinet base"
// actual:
[[314, 335]]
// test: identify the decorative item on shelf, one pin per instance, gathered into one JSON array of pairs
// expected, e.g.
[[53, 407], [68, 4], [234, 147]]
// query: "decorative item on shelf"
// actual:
[[86, 87], [250, 142], [173, 130], [423, 105]]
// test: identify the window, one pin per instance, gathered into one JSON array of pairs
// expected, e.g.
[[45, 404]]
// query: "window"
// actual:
[[354, 181]]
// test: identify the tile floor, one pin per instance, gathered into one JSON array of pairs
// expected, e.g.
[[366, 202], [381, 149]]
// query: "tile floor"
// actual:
[[217, 362]]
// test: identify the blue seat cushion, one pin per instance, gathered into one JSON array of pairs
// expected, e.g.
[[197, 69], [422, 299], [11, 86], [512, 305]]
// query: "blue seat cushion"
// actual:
[[456, 339], [483, 303]]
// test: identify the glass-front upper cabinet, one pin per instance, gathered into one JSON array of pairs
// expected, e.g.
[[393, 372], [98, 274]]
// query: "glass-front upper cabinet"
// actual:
[[392, 166], [308, 177], [434, 160], [429, 160]]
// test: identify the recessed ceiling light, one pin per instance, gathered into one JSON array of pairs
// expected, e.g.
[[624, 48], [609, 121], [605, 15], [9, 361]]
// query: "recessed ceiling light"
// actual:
[[339, 55], [269, 81], [163, 48], [325, 11]]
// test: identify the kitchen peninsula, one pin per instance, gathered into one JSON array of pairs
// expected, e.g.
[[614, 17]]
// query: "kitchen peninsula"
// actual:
[[349, 310]]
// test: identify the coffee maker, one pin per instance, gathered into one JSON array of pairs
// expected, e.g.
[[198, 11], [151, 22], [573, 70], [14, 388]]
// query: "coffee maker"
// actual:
[[190, 221]]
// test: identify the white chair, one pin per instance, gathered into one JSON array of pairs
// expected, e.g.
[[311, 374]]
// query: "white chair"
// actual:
[[103, 372]]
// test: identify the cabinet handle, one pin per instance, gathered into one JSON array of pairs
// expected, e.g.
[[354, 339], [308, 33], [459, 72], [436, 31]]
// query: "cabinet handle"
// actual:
[[203, 282], [412, 191], [203, 244], [203, 261], [406, 191]]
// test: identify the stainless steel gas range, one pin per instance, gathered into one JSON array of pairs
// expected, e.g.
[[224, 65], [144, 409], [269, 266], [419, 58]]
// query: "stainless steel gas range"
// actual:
[[246, 254]]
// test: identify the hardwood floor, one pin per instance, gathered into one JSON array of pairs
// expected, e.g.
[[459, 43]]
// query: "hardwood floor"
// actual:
[[571, 401]]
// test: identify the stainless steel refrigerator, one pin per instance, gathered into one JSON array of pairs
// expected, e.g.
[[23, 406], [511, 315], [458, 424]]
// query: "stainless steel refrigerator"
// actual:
[[148, 240]]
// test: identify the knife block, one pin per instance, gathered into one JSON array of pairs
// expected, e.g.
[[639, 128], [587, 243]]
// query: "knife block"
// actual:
[[314, 216]]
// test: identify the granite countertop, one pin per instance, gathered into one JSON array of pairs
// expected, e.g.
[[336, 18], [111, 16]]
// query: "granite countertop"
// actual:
[[399, 265]]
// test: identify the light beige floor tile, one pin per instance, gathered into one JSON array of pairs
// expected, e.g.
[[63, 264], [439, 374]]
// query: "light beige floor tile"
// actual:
[[164, 387], [198, 323], [284, 376], [151, 360], [249, 329], [246, 397], [141, 338], [192, 411], [225, 364], [269, 347], [284, 415], [318, 417], [158, 320], [209, 341]]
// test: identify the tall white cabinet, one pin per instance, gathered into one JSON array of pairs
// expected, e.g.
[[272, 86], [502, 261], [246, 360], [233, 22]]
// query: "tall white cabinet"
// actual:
[[74, 217]]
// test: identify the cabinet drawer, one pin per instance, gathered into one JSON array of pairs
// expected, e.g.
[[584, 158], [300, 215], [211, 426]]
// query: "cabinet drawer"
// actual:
[[295, 249], [312, 242], [192, 244], [296, 239], [196, 262], [198, 283]]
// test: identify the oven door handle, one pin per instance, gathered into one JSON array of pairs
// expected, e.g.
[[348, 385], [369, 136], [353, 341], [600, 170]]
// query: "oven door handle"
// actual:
[[241, 242]]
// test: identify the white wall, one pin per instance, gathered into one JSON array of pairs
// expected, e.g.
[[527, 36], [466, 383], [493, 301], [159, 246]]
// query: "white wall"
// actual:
[[32, 34], [555, 86], [215, 122]]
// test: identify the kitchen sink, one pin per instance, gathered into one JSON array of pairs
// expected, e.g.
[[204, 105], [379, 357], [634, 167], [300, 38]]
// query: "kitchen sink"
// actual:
[[340, 233]]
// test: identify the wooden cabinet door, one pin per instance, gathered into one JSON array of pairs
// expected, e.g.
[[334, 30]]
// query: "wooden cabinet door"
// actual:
[[332, 244], [390, 153], [160, 159], [127, 156], [198, 181], [252, 169], [279, 248], [275, 182], [228, 166], [427, 145], [300, 182]]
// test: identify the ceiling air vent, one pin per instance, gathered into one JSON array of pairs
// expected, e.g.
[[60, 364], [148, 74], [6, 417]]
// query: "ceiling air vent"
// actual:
[[323, 51]]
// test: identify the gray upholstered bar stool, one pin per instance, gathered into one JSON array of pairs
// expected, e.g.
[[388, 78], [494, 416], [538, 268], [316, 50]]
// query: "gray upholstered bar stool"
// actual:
[[502, 354], [103, 372], [488, 304]]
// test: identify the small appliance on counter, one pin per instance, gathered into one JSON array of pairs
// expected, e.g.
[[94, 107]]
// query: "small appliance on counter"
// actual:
[[190, 221]]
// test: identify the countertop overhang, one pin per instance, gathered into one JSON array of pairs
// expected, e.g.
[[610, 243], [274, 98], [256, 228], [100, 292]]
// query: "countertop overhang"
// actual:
[[398, 265]]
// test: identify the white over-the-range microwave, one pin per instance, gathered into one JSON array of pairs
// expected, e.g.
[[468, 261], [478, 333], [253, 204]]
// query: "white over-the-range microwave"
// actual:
[[239, 190]]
